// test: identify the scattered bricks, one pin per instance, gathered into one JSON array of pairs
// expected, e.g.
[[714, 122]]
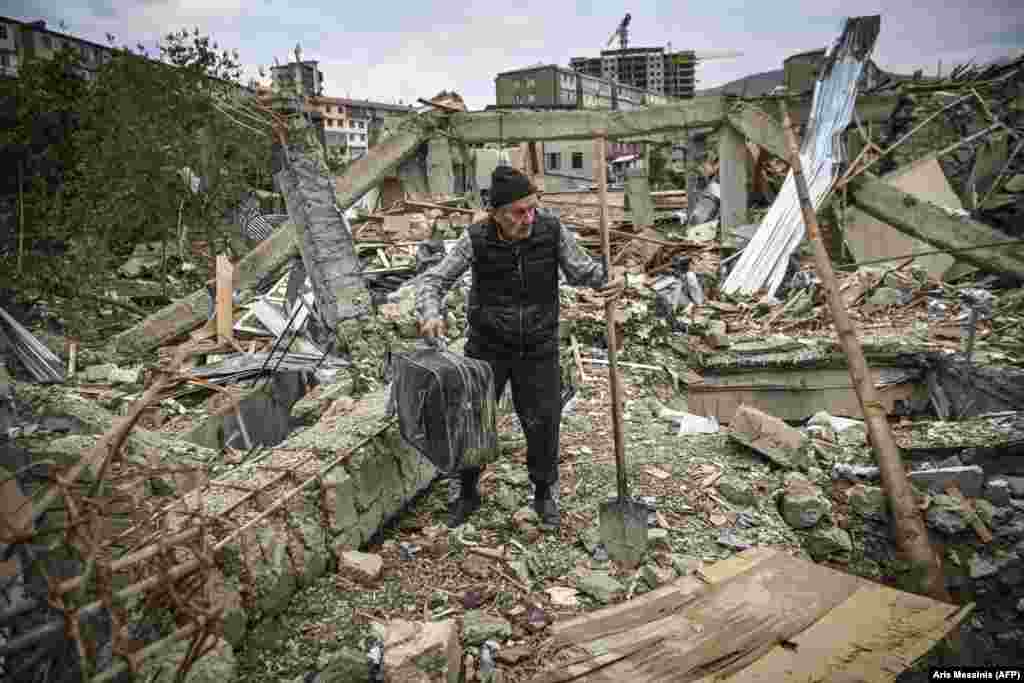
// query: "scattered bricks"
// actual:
[[365, 568], [968, 479], [421, 651], [771, 437], [478, 626]]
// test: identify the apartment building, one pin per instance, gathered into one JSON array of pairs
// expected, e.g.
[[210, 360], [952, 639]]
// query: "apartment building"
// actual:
[[20, 41], [569, 165], [656, 69], [351, 124], [302, 78], [551, 86]]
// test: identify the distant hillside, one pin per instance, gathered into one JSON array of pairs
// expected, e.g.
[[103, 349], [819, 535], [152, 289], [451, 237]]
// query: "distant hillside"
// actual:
[[755, 85]]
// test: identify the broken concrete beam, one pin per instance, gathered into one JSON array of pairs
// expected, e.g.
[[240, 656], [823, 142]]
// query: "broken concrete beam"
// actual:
[[186, 314], [484, 127], [364, 173], [440, 176], [732, 157], [638, 198], [932, 224], [869, 238], [771, 437], [325, 241], [421, 652], [969, 479], [760, 128]]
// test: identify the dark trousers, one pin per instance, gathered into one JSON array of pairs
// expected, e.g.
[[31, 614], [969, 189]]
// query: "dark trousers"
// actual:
[[536, 394]]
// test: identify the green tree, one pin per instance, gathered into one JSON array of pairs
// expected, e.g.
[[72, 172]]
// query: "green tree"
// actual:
[[134, 125]]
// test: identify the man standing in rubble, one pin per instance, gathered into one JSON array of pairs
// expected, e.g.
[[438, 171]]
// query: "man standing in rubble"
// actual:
[[513, 309]]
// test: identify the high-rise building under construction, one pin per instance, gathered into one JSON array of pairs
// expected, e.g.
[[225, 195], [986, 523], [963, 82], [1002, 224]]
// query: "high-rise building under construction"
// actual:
[[648, 68]]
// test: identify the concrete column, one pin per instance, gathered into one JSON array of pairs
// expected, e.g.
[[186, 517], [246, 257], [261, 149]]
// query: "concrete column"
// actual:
[[694, 150], [440, 177], [732, 159], [638, 198]]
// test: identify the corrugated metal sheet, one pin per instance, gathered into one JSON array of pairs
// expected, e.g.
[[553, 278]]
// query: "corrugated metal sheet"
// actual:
[[764, 261]]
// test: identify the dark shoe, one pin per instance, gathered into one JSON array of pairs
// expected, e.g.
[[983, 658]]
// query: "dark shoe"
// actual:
[[461, 510], [468, 501], [546, 508]]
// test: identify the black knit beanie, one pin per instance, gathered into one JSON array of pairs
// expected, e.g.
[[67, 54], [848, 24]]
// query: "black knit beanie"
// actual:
[[509, 185]]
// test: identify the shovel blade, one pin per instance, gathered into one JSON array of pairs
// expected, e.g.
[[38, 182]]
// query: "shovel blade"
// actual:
[[624, 531]]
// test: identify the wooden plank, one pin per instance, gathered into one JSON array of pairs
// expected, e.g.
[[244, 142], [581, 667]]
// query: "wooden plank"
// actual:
[[480, 127], [871, 637], [762, 598], [225, 300]]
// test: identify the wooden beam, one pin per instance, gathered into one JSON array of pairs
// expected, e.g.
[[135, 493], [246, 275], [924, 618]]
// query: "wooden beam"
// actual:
[[514, 126], [225, 300], [732, 156], [933, 225]]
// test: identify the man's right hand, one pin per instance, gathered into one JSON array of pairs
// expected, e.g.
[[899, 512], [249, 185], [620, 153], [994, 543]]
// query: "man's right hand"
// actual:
[[432, 328]]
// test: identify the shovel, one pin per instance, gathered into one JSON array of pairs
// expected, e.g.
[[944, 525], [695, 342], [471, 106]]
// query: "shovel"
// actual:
[[623, 520]]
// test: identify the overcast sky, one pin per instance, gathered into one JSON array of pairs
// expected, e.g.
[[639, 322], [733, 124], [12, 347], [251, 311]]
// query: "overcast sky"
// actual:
[[408, 49]]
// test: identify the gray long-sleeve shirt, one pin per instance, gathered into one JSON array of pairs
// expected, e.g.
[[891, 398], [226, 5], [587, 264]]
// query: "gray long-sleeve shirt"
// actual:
[[579, 268]]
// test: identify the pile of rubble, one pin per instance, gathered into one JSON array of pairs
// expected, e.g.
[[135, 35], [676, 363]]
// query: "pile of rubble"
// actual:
[[212, 466]]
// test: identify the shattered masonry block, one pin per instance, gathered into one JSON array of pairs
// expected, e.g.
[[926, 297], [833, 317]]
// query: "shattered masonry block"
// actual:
[[970, 479], [422, 651], [771, 437], [365, 568]]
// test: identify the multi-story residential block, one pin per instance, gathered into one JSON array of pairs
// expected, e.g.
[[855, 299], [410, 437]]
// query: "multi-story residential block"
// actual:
[[302, 78], [647, 68], [352, 124], [20, 41], [569, 165], [552, 86]]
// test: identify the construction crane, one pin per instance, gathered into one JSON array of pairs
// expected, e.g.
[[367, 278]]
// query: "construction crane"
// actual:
[[705, 55], [622, 32]]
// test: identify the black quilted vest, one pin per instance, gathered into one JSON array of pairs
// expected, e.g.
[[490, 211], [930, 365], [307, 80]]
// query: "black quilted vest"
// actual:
[[513, 305]]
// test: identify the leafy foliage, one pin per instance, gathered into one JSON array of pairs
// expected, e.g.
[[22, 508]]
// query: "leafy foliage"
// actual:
[[111, 149]]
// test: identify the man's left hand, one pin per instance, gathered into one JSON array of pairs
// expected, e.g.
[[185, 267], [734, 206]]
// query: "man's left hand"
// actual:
[[611, 291]]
